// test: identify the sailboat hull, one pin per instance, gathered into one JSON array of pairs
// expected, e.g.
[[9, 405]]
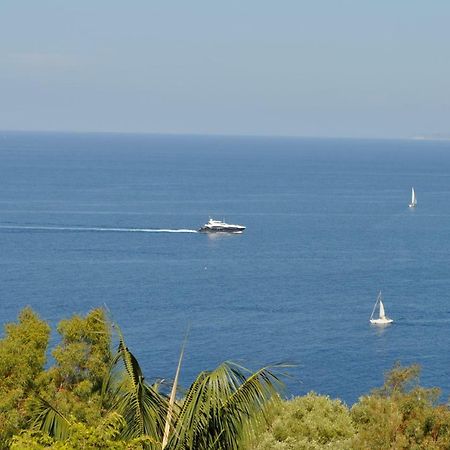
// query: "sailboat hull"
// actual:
[[384, 321], [412, 205]]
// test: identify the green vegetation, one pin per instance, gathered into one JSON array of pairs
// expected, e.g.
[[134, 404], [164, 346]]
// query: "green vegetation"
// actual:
[[22, 358], [400, 415], [307, 423], [94, 397]]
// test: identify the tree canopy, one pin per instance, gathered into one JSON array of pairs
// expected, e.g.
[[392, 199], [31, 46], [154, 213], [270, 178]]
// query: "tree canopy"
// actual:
[[94, 395]]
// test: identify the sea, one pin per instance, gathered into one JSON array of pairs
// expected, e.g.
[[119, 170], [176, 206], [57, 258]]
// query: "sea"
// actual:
[[110, 220]]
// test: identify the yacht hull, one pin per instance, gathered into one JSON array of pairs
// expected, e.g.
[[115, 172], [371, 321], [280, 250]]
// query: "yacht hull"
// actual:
[[221, 230], [218, 226]]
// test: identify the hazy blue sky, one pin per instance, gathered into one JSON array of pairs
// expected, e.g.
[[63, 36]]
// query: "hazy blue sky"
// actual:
[[378, 68]]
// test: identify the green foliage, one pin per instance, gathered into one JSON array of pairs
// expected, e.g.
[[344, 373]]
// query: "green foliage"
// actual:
[[22, 359], [211, 416], [218, 406], [103, 436], [85, 351], [401, 415], [304, 423], [399, 380], [94, 399], [51, 421], [143, 408], [82, 361]]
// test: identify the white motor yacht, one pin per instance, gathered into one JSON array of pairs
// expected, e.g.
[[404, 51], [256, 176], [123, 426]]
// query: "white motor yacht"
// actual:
[[217, 226]]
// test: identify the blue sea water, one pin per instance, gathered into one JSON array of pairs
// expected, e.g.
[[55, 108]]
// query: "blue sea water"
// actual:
[[328, 226]]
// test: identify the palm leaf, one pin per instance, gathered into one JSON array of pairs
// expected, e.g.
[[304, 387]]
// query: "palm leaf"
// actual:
[[142, 407], [49, 420], [248, 401], [173, 394], [218, 405]]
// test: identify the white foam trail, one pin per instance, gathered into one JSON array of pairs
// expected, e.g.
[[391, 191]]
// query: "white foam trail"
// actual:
[[123, 230]]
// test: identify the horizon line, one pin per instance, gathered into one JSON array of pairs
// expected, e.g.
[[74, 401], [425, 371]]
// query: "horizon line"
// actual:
[[240, 135]]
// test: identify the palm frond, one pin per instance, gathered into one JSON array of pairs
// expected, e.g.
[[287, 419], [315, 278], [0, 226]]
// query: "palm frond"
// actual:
[[111, 383], [248, 401], [218, 405], [142, 407], [173, 394], [49, 420]]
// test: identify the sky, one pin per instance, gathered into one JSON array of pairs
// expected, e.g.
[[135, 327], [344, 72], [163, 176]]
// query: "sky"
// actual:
[[325, 68]]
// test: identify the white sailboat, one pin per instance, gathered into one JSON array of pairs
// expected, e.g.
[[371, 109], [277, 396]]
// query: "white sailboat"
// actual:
[[413, 199], [382, 319]]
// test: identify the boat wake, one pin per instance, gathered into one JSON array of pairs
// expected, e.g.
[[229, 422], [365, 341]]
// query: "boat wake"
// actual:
[[99, 229]]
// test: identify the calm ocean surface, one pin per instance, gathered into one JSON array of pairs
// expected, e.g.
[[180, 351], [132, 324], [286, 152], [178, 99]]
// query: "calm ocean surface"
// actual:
[[328, 225]]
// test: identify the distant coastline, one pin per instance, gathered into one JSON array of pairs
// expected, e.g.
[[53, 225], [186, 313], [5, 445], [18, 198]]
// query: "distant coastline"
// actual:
[[431, 137]]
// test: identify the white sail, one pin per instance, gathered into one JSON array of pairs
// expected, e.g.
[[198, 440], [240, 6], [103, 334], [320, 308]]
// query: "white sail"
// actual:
[[413, 199], [382, 320], [375, 306], [382, 313]]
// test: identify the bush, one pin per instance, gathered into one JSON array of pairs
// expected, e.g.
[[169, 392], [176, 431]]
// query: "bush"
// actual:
[[309, 422]]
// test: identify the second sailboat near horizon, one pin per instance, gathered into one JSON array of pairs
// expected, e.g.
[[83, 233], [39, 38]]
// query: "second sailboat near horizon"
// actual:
[[382, 319], [413, 199]]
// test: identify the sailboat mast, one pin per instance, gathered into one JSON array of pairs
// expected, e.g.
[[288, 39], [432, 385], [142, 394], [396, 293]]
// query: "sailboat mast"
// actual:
[[375, 306]]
